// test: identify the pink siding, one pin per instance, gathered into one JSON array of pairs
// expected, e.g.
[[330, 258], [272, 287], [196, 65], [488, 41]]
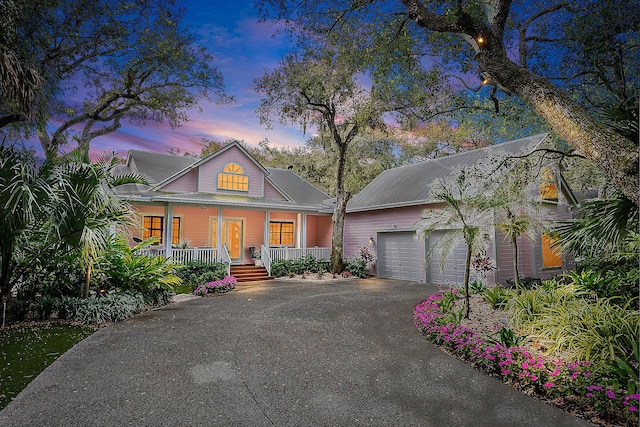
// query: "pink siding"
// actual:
[[319, 231], [270, 192], [209, 172], [184, 184], [360, 226], [195, 225]]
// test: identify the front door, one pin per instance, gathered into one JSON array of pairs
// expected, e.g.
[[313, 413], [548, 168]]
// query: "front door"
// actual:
[[232, 230]]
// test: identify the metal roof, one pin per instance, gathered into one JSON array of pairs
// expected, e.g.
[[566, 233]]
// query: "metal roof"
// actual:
[[410, 185], [157, 166], [161, 168], [295, 187]]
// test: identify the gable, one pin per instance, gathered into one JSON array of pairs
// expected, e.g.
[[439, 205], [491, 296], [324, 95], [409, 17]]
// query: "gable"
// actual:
[[210, 170]]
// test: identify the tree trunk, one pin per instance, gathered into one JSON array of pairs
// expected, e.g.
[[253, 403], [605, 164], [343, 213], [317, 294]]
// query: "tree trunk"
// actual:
[[467, 271], [337, 232], [516, 274], [87, 281], [615, 155]]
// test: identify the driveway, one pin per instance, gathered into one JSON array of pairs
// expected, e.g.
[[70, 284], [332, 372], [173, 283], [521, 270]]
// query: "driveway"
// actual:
[[276, 353]]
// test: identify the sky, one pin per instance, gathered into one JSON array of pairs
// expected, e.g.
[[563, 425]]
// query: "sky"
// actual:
[[242, 50]]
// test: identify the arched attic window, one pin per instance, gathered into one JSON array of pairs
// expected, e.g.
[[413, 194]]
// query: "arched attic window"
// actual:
[[232, 178]]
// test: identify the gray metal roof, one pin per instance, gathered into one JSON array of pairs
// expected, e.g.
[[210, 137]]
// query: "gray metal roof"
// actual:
[[158, 166], [295, 187], [410, 185], [161, 167]]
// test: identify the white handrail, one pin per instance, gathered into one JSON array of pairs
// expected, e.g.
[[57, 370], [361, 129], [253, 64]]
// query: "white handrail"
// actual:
[[266, 258], [226, 258]]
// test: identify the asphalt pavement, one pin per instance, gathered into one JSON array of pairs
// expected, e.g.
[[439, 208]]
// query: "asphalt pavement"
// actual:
[[275, 353]]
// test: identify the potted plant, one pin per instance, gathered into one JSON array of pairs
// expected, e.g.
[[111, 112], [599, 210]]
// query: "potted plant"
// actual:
[[255, 256]]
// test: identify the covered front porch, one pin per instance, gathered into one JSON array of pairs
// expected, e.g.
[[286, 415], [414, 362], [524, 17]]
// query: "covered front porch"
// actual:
[[232, 235]]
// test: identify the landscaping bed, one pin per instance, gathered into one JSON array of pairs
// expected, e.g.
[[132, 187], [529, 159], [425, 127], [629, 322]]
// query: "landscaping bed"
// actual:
[[587, 389]]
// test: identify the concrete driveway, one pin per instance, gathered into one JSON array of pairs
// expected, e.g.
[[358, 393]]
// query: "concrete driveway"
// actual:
[[277, 353]]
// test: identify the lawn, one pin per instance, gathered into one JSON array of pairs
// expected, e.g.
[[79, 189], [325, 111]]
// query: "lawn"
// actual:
[[28, 349]]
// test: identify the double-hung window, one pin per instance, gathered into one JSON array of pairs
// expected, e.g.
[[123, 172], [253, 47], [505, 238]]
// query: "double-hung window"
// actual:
[[153, 226], [281, 233]]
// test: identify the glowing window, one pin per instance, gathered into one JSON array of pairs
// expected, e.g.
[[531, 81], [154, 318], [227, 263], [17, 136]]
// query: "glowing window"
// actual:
[[153, 226], [280, 233], [231, 178], [551, 256], [548, 186]]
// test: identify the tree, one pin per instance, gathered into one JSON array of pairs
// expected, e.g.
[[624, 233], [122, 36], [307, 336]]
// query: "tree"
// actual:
[[313, 88], [463, 212], [516, 212], [20, 83], [125, 60], [477, 38]]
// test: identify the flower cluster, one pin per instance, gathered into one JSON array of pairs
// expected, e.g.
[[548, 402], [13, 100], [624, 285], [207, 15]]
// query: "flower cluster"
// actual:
[[216, 287], [365, 255], [517, 366]]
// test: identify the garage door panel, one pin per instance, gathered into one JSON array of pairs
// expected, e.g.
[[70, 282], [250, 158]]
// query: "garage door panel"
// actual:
[[399, 256], [453, 271]]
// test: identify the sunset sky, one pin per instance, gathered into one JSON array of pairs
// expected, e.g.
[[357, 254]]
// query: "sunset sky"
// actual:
[[242, 49]]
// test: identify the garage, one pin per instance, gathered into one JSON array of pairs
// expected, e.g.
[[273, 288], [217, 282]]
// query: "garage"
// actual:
[[400, 256], [453, 272]]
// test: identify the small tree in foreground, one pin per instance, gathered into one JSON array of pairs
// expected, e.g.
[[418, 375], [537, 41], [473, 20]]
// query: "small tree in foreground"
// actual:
[[462, 215]]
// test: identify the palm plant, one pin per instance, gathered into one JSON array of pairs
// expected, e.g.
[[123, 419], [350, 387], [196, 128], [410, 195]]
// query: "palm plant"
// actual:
[[516, 213], [90, 210], [462, 213]]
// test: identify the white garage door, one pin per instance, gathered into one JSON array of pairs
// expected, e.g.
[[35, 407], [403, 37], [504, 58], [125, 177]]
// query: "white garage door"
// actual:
[[400, 256], [454, 269]]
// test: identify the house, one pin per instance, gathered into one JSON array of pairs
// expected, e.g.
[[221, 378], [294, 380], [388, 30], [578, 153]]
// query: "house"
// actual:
[[221, 206], [384, 214]]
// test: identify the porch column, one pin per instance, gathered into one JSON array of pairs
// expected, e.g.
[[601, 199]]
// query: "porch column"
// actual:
[[303, 234], [219, 234], [298, 238], [267, 219], [168, 230]]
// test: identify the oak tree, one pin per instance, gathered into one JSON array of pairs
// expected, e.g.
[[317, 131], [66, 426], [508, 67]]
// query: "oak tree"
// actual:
[[538, 51]]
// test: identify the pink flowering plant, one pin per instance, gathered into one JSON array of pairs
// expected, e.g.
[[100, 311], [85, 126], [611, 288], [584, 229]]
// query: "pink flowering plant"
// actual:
[[561, 382], [216, 286]]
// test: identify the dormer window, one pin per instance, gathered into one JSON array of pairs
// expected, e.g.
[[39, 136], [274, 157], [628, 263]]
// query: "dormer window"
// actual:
[[548, 186], [232, 178]]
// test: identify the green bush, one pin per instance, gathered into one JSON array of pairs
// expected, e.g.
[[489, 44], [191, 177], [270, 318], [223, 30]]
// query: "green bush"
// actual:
[[356, 266], [196, 273], [127, 270], [308, 264], [616, 282]]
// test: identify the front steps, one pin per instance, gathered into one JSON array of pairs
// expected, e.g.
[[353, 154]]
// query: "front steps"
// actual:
[[249, 273]]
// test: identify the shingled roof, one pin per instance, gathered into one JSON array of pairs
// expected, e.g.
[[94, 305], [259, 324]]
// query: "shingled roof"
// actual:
[[410, 185], [157, 166]]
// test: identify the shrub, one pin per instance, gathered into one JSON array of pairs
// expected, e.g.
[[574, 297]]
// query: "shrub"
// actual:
[[356, 266], [129, 271], [196, 273], [308, 264]]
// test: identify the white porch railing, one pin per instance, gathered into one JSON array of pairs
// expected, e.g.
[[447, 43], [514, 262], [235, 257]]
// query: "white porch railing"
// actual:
[[226, 258], [268, 255], [323, 254], [265, 256]]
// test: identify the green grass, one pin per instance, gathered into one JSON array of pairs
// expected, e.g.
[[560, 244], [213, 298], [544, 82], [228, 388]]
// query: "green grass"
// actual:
[[27, 350]]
